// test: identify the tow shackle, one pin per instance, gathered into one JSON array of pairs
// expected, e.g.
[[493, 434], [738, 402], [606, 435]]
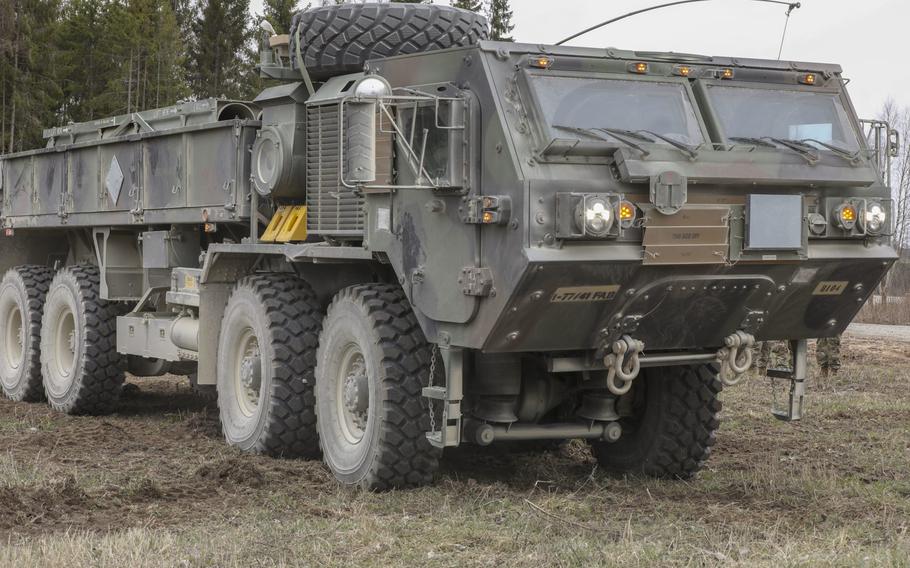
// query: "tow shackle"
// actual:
[[736, 357], [623, 365]]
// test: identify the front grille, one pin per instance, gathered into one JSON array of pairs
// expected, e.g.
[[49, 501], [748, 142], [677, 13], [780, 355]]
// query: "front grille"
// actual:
[[332, 209]]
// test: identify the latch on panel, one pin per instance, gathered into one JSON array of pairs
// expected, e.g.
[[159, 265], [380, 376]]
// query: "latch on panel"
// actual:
[[486, 210], [669, 192], [476, 281]]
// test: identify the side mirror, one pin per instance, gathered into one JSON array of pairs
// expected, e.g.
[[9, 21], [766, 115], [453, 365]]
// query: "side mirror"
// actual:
[[894, 143]]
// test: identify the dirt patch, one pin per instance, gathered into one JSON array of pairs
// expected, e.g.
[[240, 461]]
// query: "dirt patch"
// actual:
[[233, 471], [27, 506], [204, 423]]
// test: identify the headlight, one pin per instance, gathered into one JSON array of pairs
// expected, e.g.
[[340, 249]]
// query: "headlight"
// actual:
[[876, 216], [594, 216], [373, 87]]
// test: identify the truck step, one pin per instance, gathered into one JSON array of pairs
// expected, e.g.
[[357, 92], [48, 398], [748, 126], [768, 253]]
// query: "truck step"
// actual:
[[780, 373]]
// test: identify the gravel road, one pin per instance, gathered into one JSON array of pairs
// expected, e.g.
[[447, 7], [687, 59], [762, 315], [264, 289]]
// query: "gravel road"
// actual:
[[899, 333]]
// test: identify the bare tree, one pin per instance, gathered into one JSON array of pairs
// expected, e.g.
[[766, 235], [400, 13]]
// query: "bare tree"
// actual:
[[899, 119]]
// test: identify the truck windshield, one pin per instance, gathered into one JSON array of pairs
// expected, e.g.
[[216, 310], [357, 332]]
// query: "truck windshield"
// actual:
[[816, 119], [646, 107]]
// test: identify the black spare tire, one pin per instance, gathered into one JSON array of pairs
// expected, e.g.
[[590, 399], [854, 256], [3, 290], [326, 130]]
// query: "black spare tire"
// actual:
[[336, 40]]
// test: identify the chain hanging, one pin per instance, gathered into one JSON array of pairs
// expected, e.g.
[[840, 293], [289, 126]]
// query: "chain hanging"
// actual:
[[433, 359]]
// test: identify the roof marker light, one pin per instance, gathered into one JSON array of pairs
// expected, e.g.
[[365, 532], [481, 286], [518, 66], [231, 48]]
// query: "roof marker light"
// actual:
[[682, 70], [808, 79], [640, 67], [542, 62]]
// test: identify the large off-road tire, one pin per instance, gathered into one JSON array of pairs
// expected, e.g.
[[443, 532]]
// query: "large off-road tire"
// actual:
[[266, 360], [336, 40], [83, 372], [372, 366], [22, 294], [672, 427]]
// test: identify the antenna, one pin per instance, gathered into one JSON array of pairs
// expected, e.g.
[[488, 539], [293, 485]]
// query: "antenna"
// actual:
[[790, 7]]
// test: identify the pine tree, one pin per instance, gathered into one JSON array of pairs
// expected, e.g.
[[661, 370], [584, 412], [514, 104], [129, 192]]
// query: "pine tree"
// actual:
[[221, 57], [501, 25], [30, 92], [84, 68], [279, 14], [472, 5], [138, 55]]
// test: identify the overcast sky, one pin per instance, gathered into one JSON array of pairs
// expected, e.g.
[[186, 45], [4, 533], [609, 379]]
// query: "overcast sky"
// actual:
[[863, 36]]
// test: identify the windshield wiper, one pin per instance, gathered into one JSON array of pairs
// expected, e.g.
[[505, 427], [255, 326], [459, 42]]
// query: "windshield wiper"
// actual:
[[690, 151], [804, 150], [852, 157], [621, 135], [623, 132], [752, 141]]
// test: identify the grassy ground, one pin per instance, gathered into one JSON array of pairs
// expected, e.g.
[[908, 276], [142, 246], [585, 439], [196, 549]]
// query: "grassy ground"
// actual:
[[154, 486]]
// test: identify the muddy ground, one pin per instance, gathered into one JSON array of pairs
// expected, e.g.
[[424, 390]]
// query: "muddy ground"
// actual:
[[153, 485]]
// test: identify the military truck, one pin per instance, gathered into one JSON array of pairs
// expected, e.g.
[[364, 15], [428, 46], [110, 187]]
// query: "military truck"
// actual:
[[418, 238]]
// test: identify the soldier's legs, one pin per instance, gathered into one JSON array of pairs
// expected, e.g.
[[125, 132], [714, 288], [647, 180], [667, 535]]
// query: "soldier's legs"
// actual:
[[827, 354], [772, 355], [762, 356]]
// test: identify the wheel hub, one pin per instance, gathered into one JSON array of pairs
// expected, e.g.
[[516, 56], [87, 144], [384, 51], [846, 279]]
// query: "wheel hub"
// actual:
[[15, 339], [66, 344], [251, 374], [353, 395], [357, 397], [71, 342]]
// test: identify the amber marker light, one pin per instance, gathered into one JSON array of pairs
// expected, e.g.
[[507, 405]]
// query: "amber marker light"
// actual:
[[641, 68], [683, 70], [726, 73], [847, 216], [808, 79], [626, 211], [627, 214], [542, 62]]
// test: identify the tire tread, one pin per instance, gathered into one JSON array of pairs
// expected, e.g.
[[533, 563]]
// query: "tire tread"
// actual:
[[100, 379], [36, 281], [687, 430], [340, 39], [405, 457], [295, 317]]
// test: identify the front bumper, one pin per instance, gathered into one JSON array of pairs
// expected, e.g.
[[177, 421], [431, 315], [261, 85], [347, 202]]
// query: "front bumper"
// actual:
[[579, 304]]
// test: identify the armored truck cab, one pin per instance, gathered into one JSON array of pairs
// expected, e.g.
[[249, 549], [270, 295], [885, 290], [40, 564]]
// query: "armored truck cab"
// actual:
[[427, 247]]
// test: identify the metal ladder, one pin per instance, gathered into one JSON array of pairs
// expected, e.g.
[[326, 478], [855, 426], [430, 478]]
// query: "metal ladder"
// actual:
[[797, 375]]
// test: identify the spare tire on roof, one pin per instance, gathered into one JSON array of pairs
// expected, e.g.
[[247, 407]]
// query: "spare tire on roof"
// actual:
[[336, 40]]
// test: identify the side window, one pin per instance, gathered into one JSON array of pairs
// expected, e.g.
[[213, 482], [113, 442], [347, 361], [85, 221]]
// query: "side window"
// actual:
[[427, 137]]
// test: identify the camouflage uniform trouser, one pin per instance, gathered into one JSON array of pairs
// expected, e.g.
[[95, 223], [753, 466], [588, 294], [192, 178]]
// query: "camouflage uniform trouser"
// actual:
[[772, 355], [827, 353], [776, 354]]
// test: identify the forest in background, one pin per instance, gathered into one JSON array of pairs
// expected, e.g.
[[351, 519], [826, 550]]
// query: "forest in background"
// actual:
[[65, 61]]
